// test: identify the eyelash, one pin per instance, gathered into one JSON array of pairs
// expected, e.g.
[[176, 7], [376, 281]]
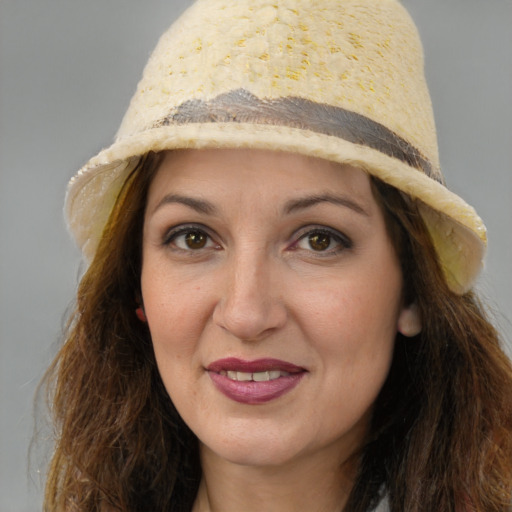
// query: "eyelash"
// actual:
[[342, 241], [329, 235], [175, 233]]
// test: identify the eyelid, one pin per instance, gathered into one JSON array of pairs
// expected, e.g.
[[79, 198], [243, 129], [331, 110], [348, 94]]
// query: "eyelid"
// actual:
[[174, 232], [343, 240]]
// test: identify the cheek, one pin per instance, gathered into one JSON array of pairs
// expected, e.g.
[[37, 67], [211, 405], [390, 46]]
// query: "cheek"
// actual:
[[356, 312], [175, 320], [352, 323]]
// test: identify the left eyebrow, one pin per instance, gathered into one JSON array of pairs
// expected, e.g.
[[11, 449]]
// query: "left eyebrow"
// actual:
[[199, 205], [309, 201]]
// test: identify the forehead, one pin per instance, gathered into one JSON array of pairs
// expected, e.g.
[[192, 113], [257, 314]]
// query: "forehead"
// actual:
[[224, 173]]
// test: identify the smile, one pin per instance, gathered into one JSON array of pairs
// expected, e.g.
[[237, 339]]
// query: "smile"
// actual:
[[254, 382], [256, 377]]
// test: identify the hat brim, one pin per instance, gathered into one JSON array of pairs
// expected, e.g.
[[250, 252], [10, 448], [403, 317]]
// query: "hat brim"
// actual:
[[458, 233]]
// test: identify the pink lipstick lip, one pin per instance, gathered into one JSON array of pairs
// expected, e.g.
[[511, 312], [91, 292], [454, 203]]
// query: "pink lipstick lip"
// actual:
[[257, 365], [254, 392]]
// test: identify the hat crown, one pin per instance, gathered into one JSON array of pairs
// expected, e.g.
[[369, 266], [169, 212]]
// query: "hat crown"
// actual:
[[341, 80], [363, 56]]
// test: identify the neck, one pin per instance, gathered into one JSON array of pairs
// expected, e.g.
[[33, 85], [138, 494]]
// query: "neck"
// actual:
[[320, 485]]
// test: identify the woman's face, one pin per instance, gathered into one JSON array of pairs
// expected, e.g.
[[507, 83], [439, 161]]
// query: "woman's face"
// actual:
[[272, 292]]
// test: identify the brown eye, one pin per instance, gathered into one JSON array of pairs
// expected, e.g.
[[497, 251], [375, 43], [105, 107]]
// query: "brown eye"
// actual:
[[195, 239], [190, 239], [319, 241], [323, 240]]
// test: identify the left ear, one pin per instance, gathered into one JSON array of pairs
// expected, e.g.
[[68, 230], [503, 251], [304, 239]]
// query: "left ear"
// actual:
[[409, 320]]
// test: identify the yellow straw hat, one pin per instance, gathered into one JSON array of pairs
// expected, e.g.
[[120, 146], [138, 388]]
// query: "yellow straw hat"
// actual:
[[341, 80]]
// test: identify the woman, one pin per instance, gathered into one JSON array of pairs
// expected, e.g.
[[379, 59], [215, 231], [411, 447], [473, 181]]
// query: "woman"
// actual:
[[277, 312]]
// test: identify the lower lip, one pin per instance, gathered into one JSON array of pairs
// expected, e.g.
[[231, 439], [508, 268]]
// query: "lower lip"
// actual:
[[254, 393]]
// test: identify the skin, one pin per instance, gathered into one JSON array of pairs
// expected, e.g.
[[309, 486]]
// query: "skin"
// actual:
[[261, 286]]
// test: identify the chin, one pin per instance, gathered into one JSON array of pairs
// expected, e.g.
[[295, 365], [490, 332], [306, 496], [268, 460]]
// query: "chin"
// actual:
[[257, 455], [253, 447]]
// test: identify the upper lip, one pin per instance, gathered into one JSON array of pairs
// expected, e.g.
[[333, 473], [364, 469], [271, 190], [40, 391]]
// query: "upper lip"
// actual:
[[254, 366]]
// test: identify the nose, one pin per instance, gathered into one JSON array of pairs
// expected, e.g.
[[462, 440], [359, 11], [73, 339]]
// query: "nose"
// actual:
[[251, 304]]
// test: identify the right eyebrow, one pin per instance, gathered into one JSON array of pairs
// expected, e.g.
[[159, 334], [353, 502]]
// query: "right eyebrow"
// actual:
[[200, 205], [309, 201]]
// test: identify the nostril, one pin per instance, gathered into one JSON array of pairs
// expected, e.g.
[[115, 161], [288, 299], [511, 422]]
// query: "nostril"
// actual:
[[250, 304], [249, 319]]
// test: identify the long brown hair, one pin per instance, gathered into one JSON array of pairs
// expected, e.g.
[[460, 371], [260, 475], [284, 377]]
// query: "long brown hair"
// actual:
[[441, 436]]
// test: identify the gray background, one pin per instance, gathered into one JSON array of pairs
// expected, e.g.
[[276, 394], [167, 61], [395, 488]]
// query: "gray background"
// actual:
[[67, 71]]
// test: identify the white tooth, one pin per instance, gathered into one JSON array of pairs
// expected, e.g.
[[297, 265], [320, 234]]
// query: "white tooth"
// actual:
[[260, 376], [232, 375], [274, 374], [223, 373], [243, 376]]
